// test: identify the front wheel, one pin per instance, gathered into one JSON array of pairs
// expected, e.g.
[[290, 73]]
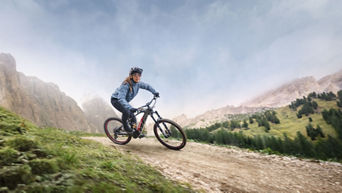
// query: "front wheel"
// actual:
[[115, 131], [170, 134]]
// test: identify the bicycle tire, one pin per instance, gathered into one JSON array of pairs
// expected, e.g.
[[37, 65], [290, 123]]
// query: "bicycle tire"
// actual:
[[115, 121], [162, 122]]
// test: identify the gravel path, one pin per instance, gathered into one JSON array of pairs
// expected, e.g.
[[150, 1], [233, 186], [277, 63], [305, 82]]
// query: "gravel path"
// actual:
[[219, 169]]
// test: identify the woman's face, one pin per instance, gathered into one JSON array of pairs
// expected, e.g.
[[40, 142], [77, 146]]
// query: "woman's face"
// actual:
[[136, 77]]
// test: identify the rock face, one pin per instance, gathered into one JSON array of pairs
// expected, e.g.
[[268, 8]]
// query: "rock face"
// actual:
[[42, 103], [97, 111], [9, 83]]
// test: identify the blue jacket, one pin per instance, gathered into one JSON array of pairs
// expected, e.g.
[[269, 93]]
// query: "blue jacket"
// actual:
[[124, 95]]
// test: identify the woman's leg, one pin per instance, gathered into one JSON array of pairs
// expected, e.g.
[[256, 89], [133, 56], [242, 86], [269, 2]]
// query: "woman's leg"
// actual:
[[125, 114]]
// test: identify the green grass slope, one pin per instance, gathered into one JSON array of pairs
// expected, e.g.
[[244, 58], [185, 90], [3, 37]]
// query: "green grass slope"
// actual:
[[34, 159], [310, 127], [290, 124]]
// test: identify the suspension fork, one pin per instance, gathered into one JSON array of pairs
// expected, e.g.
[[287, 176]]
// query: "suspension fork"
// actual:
[[168, 132]]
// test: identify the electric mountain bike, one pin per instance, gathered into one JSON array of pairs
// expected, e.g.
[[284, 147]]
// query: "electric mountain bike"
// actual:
[[168, 132]]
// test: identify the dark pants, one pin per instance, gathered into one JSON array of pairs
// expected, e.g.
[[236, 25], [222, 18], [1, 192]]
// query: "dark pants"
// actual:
[[125, 113]]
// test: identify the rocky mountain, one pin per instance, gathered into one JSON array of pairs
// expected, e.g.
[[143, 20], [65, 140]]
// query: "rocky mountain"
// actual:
[[216, 115], [97, 111], [331, 82], [277, 97], [298, 88], [42, 103]]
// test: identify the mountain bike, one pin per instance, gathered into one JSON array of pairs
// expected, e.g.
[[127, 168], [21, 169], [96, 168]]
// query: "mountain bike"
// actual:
[[168, 132]]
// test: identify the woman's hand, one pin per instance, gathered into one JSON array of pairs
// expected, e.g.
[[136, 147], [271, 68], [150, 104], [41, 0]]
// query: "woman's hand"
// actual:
[[133, 110]]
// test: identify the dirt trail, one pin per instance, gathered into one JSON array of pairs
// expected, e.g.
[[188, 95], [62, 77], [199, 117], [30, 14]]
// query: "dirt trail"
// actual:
[[219, 169]]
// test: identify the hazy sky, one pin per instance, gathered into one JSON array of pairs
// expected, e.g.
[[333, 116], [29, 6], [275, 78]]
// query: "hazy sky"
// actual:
[[198, 54]]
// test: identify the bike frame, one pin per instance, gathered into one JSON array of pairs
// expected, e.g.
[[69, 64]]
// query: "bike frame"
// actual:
[[148, 111]]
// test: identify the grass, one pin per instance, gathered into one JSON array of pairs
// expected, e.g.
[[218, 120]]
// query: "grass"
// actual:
[[290, 124], [85, 134], [47, 160]]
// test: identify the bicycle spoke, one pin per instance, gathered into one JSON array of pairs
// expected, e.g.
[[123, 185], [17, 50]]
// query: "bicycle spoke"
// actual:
[[170, 134], [114, 130]]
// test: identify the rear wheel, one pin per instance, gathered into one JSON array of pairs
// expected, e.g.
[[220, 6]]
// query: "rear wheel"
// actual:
[[170, 134], [115, 131]]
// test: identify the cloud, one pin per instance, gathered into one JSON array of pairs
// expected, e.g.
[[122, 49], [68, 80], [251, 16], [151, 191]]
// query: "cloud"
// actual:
[[198, 54]]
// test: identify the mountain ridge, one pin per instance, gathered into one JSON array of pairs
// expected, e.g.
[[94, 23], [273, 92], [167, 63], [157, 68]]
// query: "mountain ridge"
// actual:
[[43, 103], [296, 89], [273, 98]]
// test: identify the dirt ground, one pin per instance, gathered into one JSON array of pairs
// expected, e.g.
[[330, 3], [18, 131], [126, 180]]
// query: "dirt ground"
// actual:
[[211, 168]]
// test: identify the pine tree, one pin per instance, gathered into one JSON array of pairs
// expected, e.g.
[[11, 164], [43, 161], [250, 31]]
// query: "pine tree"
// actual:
[[313, 95], [320, 132], [235, 124], [339, 94], [290, 147], [266, 125], [280, 145], [306, 148], [339, 101], [245, 124], [251, 120], [334, 147], [219, 136], [306, 109], [174, 132], [314, 104], [225, 124], [259, 144], [334, 117], [299, 115], [310, 131]]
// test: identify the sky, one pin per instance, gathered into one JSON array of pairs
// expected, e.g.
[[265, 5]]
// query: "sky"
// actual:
[[198, 54]]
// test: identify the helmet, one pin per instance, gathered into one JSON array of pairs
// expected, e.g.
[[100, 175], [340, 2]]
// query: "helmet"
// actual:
[[135, 70]]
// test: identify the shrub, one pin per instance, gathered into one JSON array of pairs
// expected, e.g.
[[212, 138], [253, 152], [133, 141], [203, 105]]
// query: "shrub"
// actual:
[[339, 101], [272, 117], [251, 120], [314, 132], [22, 143], [10, 176], [327, 96], [8, 156], [43, 166], [334, 117], [10, 129], [245, 124]]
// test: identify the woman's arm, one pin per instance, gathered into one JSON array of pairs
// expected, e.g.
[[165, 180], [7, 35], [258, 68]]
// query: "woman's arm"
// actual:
[[147, 87], [123, 89]]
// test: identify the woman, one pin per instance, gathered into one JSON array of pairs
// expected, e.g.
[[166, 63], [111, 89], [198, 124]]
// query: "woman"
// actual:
[[126, 92]]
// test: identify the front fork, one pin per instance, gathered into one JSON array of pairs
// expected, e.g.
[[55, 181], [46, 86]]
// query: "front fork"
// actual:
[[167, 131]]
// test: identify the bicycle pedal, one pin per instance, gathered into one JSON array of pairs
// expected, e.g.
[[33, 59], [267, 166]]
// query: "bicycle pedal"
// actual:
[[136, 134], [141, 136]]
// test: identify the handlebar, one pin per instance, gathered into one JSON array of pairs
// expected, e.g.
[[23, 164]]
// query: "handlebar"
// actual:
[[154, 98], [148, 104]]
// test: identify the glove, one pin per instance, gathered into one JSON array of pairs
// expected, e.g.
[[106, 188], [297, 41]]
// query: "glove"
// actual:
[[133, 110], [156, 94]]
